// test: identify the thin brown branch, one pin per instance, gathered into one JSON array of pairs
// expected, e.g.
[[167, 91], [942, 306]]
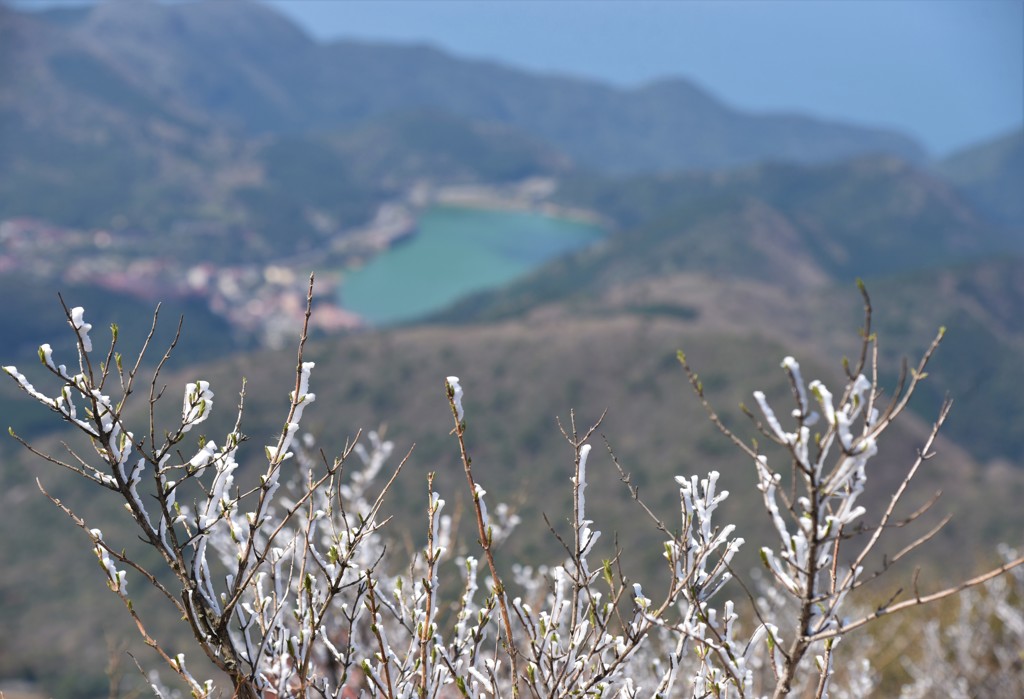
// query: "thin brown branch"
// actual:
[[698, 388], [634, 491], [49, 458], [485, 542], [922, 455], [918, 600]]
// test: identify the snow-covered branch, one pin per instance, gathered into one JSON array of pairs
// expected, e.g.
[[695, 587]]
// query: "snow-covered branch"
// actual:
[[290, 589]]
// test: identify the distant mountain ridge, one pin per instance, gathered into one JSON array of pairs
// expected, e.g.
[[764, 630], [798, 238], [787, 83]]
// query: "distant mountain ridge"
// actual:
[[991, 175], [271, 77]]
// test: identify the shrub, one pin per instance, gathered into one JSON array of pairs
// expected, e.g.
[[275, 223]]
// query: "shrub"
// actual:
[[290, 590]]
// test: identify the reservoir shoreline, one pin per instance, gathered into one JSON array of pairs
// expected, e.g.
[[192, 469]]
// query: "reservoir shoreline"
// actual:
[[465, 240], [528, 196], [397, 221]]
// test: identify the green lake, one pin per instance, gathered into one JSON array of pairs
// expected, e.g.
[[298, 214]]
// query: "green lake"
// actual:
[[455, 252]]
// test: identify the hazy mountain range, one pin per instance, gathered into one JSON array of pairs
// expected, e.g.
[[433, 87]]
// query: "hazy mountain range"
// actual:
[[171, 105], [220, 133], [191, 64]]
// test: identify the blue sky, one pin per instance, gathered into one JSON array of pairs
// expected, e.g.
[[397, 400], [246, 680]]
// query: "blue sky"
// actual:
[[950, 72]]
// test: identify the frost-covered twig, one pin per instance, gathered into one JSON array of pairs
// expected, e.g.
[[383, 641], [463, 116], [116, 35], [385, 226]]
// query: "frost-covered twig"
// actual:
[[828, 449], [485, 530], [289, 588]]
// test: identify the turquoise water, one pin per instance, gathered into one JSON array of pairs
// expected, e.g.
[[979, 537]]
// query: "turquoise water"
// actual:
[[454, 253]]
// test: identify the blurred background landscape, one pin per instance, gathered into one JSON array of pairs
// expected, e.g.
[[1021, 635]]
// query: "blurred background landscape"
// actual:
[[546, 199]]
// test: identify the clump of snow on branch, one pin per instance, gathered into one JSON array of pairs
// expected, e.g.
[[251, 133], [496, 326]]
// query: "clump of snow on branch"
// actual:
[[81, 327], [456, 392]]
